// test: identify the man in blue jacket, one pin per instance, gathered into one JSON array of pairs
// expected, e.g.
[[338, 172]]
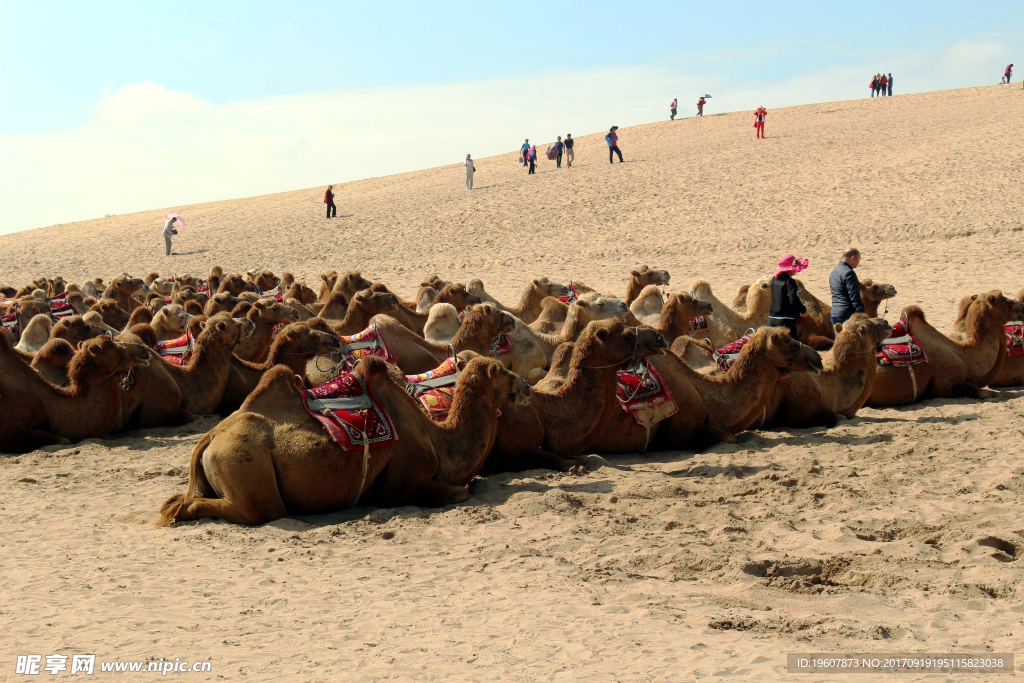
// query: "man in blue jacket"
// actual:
[[845, 288], [613, 144]]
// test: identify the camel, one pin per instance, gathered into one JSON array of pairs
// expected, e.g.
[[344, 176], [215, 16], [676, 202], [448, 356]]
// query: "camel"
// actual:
[[213, 281], [150, 396], [202, 382], [265, 280], [123, 290], [95, 318], [1012, 372], [35, 413], [643, 277], [168, 323], [350, 283], [24, 310], [53, 357], [185, 281], [803, 400], [35, 334], [818, 319], [160, 285], [327, 282], [647, 305], [725, 325], [222, 302], [294, 347], [271, 458], [39, 283], [442, 324], [113, 314], [300, 297], [234, 284], [140, 315], [93, 288], [529, 306], [955, 368], [357, 316], [677, 314], [55, 287], [425, 296], [265, 315], [454, 293]]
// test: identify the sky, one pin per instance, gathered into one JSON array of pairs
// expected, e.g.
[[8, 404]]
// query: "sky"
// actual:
[[115, 107]]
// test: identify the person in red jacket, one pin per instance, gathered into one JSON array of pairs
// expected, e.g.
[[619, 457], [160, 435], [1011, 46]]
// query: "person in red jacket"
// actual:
[[873, 85], [759, 115], [881, 86], [1008, 72], [329, 201]]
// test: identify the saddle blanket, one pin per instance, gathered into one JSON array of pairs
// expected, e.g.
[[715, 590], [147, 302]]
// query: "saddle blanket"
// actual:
[[178, 351], [369, 342], [435, 389], [572, 296], [728, 354], [12, 325], [1015, 338], [699, 323], [901, 348], [60, 310], [643, 393], [351, 416], [128, 380], [500, 345], [276, 294]]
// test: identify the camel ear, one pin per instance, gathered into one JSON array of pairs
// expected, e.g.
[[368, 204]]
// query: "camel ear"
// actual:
[[635, 273], [839, 328], [96, 349], [202, 324]]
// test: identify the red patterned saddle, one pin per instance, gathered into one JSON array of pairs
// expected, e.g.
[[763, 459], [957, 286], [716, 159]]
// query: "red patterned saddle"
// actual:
[[435, 389], [901, 348], [60, 310], [12, 325], [369, 342], [178, 351], [699, 323], [643, 393], [350, 413], [500, 345], [727, 355], [571, 296], [1014, 338], [277, 294]]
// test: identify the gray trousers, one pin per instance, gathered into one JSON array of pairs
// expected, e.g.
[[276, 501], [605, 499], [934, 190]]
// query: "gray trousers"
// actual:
[[469, 180], [167, 241]]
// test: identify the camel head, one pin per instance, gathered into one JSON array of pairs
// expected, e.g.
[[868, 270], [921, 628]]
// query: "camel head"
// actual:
[[56, 286], [871, 291], [275, 312], [161, 286], [99, 358], [300, 292], [685, 306], [457, 295], [488, 317], [505, 386], [113, 315], [222, 301], [613, 343], [235, 284], [173, 316], [329, 279], [759, 297], [860, 334], [437, 283], [374, 302], [30, 308], [601, 308], [352, 282], [1000, 308], [125, 285], [782, 351], [265, 280], [75, 329], [301, 339], [545, 287], [223, 330], [646, 276], [7, 292]]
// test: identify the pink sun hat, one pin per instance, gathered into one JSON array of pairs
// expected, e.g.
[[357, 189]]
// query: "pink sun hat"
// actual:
[[791, 264]]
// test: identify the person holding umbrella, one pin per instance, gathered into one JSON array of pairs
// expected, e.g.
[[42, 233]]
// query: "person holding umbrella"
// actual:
[[169, 230], [700, 105]]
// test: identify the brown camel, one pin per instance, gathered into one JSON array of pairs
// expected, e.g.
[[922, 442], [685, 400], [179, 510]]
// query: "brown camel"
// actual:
[[113, 314], [150, 396], [35, 334], [185, 281], [647, 305], [294, 347], [327, 282], [265, 280], [122, 290], [818, 319], [39, 283], [168, 323], [55, 287], [34, 412], [529, 306], [1012, 372], [803, 400], [726, 325], [677, 314], [643, 277], [454, 293], [271, 458], [52, 359], [360, 312], [222, 302], [350, 283], [140, 315], [265, 315], [235, 284], [202, 382], [955, 368]]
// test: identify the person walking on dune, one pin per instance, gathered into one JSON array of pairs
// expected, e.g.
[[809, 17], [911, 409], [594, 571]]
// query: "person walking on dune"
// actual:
[[526, 150], [470, 170], [169, 231], [329, 201], [786, 309], [700, 106], [569, 143], [613, 144], [672, 109], [531, 157], [1008, 72], [560, 148], [759, 115]]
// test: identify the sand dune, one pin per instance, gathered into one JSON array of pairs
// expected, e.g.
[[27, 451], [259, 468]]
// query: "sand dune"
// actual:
[[899, 530]]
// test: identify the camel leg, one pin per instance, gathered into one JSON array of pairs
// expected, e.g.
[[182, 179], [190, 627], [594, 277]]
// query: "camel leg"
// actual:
[[959, 390], [535, 458], [173, 417], [821, 416], [26, 440], [398, 486], [706, 436]]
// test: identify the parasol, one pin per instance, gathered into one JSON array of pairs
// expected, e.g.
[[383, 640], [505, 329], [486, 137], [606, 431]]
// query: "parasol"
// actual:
[[177, 219]]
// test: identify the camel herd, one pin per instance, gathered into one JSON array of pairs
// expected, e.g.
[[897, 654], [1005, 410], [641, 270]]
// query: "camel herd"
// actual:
[[350, 394]]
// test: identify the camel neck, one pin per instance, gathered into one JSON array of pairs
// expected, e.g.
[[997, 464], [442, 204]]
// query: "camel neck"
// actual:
[[468, 434]]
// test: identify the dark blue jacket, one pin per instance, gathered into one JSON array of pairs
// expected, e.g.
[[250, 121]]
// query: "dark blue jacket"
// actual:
[[845, 288]]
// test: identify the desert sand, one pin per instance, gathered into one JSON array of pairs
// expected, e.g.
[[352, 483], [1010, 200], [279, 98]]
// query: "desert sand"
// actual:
[[901, 530]]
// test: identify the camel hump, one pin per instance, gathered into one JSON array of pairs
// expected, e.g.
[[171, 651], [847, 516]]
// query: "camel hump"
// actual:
[[914, 313], [700, 284], [372, 365]]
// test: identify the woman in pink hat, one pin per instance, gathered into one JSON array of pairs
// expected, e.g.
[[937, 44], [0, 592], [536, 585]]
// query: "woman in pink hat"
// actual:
[[786, 309]]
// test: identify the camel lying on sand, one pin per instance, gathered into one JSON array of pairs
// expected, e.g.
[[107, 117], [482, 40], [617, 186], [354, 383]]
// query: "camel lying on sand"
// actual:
[[954, 368], [454, 293], [113, 314], [1011, 373], [168, 323], [265, 314], [35, 413], [641, 278], [818, 319], [529, 305], [271, 458], [850, 369], [35, 334], [726, 325]]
